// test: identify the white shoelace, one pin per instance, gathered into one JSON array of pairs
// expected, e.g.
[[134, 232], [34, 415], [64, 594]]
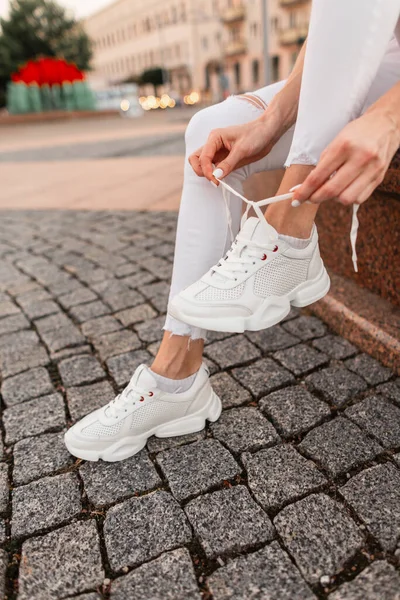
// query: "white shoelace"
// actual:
[[226, 189], [130, 395]]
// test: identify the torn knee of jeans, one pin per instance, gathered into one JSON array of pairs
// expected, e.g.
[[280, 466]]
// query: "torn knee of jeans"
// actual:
[[254, 100]]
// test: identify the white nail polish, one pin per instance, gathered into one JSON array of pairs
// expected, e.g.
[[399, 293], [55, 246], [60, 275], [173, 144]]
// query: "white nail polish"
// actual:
[[296, 203], [218, 173], [214, 184], [295, 187], [307, 202]]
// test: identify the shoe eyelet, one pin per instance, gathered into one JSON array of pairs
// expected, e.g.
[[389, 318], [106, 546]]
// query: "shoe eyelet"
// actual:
[[141, 399], [151, 394], [235, 278], [275, 249], [264, 257], [254, 262]]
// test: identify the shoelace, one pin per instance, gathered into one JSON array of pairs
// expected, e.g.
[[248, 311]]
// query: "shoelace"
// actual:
[[130, 395], [226, 189]]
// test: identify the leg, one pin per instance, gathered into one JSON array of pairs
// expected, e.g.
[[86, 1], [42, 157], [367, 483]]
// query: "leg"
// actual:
[[342, 75], [203, 234]]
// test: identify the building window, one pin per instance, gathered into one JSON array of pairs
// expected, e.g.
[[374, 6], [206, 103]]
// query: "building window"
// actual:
[[255, 67], [274, 24], [292, 19], [236, 70], [275, 68], [183, 12], [204, 43], [177, 51], [174, 15]]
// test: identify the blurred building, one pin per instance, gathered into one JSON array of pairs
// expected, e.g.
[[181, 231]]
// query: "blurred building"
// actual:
[[214, 46]]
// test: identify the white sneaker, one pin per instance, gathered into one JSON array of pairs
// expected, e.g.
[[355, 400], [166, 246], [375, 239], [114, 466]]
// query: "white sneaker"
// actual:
[[255, 284], [121, 428]]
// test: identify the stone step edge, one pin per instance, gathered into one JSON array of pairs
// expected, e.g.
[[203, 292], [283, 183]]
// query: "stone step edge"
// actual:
[[362, 317]]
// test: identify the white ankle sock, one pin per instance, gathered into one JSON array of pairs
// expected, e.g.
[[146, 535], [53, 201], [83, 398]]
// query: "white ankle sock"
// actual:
[[173, 386], [294, 242]]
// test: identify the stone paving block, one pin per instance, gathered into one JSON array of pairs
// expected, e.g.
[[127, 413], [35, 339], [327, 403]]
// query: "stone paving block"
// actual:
[[108, 482], [86, 312], [122, 367], [3, 569], [138, 279], [263, 376], [155, 444], [33, 417], [35, 310], [232, 352], [84, 399], [89, 596], [319, 534], [169, 577], [52, 322], [76, 297], [266, 574], [39, 456], [155, 289], [196, 468], [4, 487], [78, 370], [379, 581], [67, 352], [339, 446], [25, 386], [229, 391], [335, 346], [306, 327], [234, 427], [58, 339], [228, 521], [280, 475], [8, 308], [26, 357], [117, 295], [151, 330], [301, 359], [13, 323], [390, 390], [126, 269], [379, 418], [73, 553], [44, 503], [3, 536], [139, 529], [115, 343], [337, 385], [369, 368], [272, 339], [211, 366], [130, 316], [374, 494], [99, 326], [294, 410]]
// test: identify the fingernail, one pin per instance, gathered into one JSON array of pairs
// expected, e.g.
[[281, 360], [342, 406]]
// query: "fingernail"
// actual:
[[214, 184], [296, 203], [307, 202], [218, 173], [295, 187]]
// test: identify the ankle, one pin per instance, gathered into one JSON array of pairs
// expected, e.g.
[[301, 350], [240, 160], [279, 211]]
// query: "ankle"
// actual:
[[293, 222], [178, 357]]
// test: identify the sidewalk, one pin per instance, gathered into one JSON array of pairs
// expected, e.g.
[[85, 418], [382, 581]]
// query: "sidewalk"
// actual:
[[294, 494]]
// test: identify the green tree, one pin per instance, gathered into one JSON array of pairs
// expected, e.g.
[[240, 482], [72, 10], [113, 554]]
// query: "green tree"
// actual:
[[37, 28]]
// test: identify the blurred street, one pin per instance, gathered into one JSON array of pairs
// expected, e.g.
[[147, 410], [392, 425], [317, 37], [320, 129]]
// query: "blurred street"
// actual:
[[95, 164]]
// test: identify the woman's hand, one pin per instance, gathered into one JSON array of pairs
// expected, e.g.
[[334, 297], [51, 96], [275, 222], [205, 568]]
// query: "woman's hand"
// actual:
[[355, 163], [232, 147]]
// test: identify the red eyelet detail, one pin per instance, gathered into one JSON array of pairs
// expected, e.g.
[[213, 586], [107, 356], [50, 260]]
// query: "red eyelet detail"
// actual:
[[276, 249], [151, 394], [141, 399], [264, 257]]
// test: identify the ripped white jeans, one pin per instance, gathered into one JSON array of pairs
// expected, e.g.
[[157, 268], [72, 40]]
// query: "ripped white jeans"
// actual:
[[352, 59]]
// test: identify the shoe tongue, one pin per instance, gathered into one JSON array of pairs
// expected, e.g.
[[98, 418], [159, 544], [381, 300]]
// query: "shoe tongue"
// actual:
[[256, 231], [143, 378]]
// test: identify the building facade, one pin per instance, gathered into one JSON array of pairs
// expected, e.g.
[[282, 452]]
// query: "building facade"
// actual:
[[213, 46]]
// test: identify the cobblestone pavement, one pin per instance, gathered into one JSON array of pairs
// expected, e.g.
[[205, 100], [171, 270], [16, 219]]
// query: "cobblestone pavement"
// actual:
[[294, 494]]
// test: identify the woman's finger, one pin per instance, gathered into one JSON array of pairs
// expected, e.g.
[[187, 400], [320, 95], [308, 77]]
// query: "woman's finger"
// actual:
[[336, 184], [194, 161], [208, 152], [330, 162], [361, 188]]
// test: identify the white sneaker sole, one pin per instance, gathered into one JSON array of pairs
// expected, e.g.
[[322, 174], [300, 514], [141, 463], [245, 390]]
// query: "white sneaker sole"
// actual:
[[131, 445], [271, 311]]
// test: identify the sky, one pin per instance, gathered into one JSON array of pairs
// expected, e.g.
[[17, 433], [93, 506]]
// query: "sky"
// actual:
[[81, 8]]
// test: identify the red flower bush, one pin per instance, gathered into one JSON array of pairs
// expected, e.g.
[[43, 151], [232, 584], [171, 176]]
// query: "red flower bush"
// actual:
[[47, 71]]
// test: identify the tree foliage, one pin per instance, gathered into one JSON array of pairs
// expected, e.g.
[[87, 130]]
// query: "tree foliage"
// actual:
[[37, 28]]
